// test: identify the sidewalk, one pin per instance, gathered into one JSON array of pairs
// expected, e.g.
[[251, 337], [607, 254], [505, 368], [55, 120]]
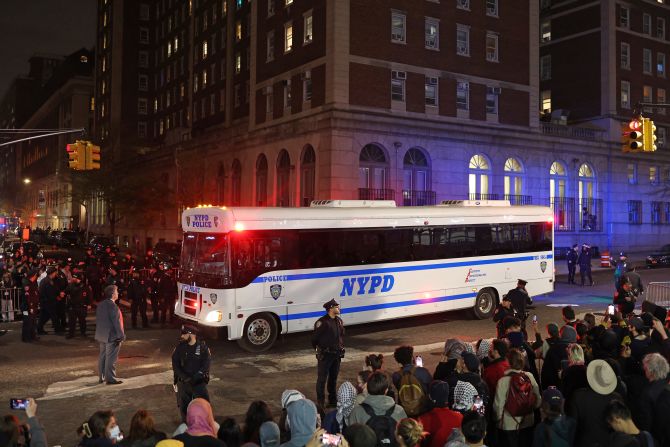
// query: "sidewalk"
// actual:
[[638, 259]]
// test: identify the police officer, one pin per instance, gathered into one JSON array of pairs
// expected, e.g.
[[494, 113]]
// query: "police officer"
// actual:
[[572, 263], [503, 310], [76, 306], [625, 297], [190, 363], [519, 297], [149, 259], [49, 294], [127, 262], [620, 267], [152, 286], [328, 341], [584, 261], [30, 307], [166, 289], [138, 293]]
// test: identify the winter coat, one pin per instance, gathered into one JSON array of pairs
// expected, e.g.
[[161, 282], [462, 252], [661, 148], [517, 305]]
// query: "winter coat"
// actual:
[[559, 432], [588, 409], [380, 405], [505, 420]]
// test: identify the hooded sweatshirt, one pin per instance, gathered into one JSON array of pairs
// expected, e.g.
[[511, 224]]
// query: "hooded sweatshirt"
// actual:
[[302, 419], [559, 431]]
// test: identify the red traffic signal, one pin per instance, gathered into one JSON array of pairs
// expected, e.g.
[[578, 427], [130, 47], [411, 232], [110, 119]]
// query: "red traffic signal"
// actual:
[[635, 125]]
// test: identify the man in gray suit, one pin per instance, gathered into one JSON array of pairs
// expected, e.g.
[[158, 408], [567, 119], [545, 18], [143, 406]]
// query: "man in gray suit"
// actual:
[[109, 333]]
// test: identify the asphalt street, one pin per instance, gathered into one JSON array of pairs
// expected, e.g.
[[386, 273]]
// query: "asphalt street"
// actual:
[[61, 374]]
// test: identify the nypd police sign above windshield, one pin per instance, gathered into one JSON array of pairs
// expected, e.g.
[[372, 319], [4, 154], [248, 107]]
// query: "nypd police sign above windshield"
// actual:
[[204, 219]]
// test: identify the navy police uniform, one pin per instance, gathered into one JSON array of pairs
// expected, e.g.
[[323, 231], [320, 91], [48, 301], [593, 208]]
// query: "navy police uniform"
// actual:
[[584, 261], [138, 292], [572, 264], [30, 308], [190, 364], [77, 302], [499, 316], [328, 341]]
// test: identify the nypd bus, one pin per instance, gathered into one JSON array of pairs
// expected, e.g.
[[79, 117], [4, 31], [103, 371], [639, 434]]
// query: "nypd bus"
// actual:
[[259, 272]]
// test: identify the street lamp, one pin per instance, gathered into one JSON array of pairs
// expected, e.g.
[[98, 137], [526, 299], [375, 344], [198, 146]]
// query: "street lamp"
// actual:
[[26, 181]]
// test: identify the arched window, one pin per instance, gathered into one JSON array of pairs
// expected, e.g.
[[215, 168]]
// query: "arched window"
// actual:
[[236, 186], [416, 179], [307, 176], [261, 181], [283, 179], [220, 183], [479, 178], [513, 180], [373, 174], [564, 207], [589, 209]]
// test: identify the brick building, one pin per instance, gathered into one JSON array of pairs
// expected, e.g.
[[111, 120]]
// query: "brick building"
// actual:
[[278, 102]]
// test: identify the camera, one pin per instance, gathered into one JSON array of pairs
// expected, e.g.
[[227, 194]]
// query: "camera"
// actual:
[[418, 361], [328, 439], [18, 404]]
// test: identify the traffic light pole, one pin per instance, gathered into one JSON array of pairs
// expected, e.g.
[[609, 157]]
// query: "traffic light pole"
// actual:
[[43, 135]]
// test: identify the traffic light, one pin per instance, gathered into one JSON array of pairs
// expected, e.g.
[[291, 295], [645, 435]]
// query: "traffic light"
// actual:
[[92, 156], [649, 135], [76, 156], [633, 135]]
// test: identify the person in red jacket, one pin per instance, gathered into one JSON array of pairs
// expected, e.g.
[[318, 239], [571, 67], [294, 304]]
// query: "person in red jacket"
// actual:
[[495, 365], [440, 421]]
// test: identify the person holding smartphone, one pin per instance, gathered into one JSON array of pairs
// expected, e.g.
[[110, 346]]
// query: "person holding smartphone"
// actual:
[[36, 433]]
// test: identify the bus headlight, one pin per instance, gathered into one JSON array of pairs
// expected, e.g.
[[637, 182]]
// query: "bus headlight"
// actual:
[[214, 316], [213, 298]]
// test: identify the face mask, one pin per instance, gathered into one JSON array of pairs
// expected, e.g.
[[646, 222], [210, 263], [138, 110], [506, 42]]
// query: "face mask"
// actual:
[[115, 434]]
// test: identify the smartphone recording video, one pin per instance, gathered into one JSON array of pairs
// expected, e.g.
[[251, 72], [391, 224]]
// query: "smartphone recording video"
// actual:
[[328, 439], [18, 404]]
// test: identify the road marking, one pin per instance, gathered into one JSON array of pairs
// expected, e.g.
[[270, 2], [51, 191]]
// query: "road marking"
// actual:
[[562, 305]]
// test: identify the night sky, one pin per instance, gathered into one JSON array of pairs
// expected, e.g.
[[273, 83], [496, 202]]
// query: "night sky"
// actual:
[[55, 27]]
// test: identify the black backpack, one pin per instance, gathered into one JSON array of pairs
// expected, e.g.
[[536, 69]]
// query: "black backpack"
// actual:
[[383, 426]]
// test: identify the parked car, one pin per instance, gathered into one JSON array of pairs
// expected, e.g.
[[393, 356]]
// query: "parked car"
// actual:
[[68, 239], [168, 252], [660, 258], [98, 244]]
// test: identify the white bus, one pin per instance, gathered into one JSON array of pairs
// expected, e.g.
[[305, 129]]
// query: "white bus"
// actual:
[[260, 272]]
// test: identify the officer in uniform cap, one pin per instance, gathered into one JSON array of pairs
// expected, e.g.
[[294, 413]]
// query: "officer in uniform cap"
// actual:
[[519, 298], [503, 310], [328, 341], [190, 363], [30, 307]]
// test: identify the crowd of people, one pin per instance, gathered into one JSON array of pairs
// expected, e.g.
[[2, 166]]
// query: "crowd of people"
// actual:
[[63, 291], [582, 383]]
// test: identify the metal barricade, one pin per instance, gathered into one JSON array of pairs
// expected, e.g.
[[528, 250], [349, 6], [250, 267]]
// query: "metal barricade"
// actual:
[[658, 293], [10, 304]]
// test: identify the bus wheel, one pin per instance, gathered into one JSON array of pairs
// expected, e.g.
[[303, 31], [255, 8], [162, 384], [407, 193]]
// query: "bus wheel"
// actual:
[[485, 304], [260, 333]]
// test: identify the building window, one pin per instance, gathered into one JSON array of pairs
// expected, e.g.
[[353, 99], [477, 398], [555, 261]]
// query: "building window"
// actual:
[[144, 11], [416, 178], [307, 177], [646, 61], [142, 129], [660, 28], [398, 22], [261, 181], [660, 137], [431, 92], [653, 175], [478, 178], [660, 98], [545, 67], [307, 86], [492, 8], [373, 171], [513, 180], [269, 101], [492, 100], [656, 213], [463, 4], [635, 212], [660, 64], [491, 47], [270, 46], [288, 94], [271, 7], [144, 35], [103, 87], [308, 28], [237, 96], [545, 101], [238, 62], [647, 96], [288, 2], [462, 95], [196, 81], [204, 50], [545, 31], [398, 79], [432, 29], [463, 40], [624, 17], [625, 95], [142, 106], [631, 170], [283, 179], [288, 37], [646, 24], [143, 83], [204, 78], [238, 31], [625, 56]]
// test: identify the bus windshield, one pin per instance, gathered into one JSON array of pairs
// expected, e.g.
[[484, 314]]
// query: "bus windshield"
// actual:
[[205, 253]]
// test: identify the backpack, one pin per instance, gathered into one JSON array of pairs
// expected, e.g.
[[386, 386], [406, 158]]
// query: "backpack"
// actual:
[[411, 395], [383, 426], [520, 400]]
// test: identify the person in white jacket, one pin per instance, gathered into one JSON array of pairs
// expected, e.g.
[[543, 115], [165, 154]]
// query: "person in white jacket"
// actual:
[[517, 430]]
